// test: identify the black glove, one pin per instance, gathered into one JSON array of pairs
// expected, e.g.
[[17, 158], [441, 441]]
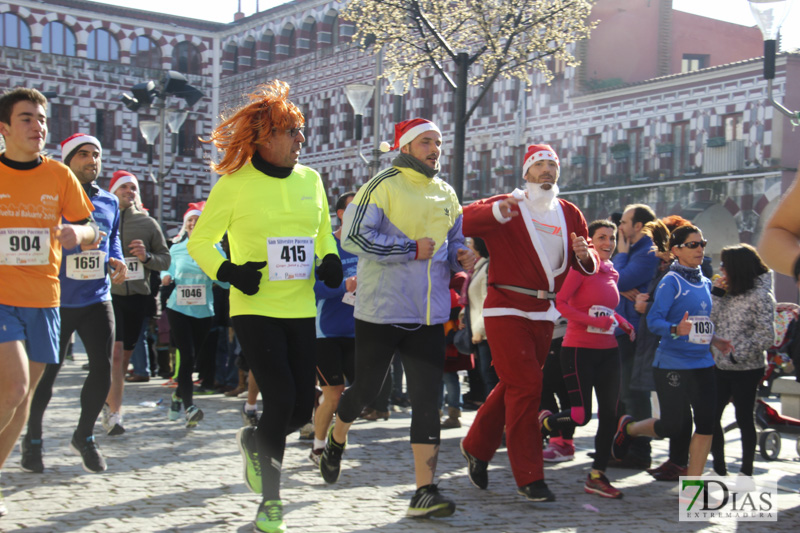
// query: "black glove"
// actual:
[[244, 277], [330, 271]]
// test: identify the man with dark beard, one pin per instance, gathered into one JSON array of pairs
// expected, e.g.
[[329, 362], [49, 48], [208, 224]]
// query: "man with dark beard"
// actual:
[[533, 238]]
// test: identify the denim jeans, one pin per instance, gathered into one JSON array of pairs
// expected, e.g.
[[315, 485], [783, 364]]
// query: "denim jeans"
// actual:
[[451, 390], [141, 354]]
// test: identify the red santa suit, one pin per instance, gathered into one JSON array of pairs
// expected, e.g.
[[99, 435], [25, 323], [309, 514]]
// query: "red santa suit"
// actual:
[[519, 327]]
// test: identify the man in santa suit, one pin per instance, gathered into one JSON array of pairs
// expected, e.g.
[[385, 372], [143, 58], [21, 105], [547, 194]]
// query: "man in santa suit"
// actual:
[[534, 238]]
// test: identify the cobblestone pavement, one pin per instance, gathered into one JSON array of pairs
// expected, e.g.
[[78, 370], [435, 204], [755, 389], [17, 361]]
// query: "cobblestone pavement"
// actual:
[[165, 478]]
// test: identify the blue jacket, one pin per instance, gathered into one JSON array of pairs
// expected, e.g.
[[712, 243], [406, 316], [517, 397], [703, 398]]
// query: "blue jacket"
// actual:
[[185, 271], [674, 296], [81, 293], [636, 268], [381, 226], [334, 317]]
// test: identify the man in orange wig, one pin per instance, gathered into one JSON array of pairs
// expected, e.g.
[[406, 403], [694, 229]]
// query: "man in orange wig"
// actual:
[[278, 222]]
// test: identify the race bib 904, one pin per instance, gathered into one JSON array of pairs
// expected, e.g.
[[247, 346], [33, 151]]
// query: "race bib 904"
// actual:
[[24, 246]]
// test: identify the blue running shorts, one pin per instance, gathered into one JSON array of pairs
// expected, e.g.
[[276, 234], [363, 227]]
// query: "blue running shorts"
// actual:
[[38, 328]]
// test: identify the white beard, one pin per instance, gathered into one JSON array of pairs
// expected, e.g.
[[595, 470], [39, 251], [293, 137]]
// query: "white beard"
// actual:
[[539, 200]]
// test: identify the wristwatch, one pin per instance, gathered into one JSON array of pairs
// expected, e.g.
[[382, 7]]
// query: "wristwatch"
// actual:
[[673, 329]]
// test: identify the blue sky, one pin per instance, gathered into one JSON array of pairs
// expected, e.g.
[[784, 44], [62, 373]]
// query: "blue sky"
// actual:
[[737, 11]]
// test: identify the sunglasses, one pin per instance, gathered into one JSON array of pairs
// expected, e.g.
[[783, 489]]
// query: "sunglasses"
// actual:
[[692, 245], [293, 131]]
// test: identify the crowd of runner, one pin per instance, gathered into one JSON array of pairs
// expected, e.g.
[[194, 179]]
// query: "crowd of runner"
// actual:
[[321, 319]]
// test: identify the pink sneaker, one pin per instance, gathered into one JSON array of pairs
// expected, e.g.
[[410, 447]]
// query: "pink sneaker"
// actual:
[[558, 450]]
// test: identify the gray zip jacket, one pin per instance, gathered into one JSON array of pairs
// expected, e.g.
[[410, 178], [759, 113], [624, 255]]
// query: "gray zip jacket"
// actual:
[[135, 224]]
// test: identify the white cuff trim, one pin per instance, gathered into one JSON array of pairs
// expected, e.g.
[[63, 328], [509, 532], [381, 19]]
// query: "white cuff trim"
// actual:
[[496, 212]]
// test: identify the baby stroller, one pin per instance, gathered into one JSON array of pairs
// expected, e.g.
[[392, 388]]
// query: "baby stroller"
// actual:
[[779, 363]]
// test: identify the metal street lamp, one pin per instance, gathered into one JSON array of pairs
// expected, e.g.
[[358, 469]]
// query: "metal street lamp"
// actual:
[[175, 120], [152, 94], [769, 15]]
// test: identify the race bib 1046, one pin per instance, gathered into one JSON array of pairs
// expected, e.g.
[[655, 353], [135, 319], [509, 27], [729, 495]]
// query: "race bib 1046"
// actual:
[[191, 294], [24, 246], [290, 258], [86, 265]]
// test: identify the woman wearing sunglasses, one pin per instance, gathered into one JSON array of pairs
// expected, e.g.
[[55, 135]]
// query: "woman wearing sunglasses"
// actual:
[[683, 368], [744, 312]]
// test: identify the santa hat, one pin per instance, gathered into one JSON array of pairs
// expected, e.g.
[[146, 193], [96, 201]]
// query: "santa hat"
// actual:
[[407, 131], [537, 152], [120, 178], [195, 208], [70, 145]]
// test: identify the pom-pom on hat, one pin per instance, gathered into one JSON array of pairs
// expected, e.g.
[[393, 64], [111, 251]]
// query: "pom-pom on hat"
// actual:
[[407, 131], [70, 145], [537, 152], [195, 208], [120, 178]]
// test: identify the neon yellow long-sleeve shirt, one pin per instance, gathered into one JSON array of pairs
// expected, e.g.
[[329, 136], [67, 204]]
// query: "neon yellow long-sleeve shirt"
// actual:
[[253, 207]]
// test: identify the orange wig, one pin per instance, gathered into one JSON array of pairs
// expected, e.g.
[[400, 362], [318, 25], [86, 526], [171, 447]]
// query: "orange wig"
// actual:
[[253, 124]]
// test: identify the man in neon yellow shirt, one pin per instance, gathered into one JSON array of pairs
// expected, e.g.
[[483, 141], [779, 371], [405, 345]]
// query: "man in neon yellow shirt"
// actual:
[[277, 218]]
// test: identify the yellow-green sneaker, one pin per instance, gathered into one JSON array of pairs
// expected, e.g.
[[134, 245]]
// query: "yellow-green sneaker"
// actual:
[[269, 518], [246, 440]]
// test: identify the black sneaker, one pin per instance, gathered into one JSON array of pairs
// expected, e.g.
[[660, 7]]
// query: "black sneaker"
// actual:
[[622, 440], [330, 462], [476, 469], [31, 455], [537, 492], [427, 502], [93, 461], [250, 418]]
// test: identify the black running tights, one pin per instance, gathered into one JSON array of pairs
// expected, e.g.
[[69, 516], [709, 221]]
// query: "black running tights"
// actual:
[[95, 325], [585, 369], [422, 350], [188, 334], [281, 353]]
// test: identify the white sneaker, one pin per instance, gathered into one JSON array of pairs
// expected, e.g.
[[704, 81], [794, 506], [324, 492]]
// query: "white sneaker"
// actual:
[[114, 426]]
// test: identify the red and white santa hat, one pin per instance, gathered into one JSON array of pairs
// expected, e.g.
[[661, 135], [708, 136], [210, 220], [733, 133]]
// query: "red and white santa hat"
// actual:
[[537, 152], [120, 178], [195, 208], [407, 131], [70, 145]]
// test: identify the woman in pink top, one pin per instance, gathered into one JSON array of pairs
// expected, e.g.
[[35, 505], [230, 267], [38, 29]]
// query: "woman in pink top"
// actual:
[[589, 356]]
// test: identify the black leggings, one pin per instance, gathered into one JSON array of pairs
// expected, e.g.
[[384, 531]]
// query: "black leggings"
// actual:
[[553, 387], [682, 393], [422, 350], [742, 385], [188, 334], [584, 369], [281, 354], [95, 325]]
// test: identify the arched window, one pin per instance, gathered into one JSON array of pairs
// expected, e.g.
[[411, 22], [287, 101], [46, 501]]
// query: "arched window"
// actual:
[[57, 38], [186, 58], [248, 58], [268, 46], [311, 33], [231, 57], [145, 53], [290, 37], [14, 33], [335, 32], [102, 46]]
